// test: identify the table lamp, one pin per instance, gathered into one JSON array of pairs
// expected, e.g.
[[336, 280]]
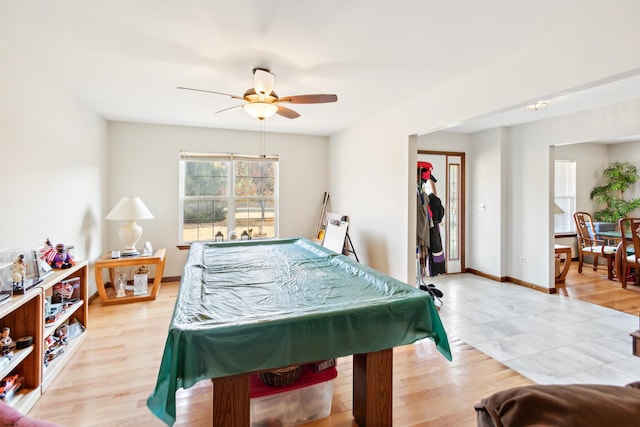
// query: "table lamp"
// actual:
[[129, 209]]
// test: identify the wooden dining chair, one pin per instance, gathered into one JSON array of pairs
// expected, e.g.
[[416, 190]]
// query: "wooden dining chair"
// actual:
[[588, 244], [630, 233]]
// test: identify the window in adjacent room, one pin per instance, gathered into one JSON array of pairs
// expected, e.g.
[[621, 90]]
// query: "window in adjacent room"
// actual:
[[228, 197], [565, 195]]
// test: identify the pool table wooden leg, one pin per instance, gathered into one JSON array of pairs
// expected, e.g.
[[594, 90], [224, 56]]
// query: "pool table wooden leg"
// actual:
[[231, 404], [372, 388]]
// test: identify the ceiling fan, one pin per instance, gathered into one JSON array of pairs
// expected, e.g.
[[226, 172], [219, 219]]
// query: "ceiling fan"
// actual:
[[262, 102]]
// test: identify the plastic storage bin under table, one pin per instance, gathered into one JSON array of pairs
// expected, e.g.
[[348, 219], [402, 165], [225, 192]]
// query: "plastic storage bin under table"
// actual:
[[307, 399]]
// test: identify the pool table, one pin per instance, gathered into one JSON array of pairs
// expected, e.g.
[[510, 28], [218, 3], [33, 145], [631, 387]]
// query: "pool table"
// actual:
[[249, 306]]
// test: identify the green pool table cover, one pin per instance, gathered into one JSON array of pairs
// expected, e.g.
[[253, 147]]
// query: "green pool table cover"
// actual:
[[253, 305]]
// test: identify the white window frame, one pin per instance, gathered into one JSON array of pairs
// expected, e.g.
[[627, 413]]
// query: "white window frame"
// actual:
[[230, 198], [565, 195]]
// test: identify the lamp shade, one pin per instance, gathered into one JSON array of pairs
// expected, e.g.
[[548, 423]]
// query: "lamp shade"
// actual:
[[129, 208], [557, 209]]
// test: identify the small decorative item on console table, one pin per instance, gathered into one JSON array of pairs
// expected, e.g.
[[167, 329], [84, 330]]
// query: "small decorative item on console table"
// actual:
[[108, 296]]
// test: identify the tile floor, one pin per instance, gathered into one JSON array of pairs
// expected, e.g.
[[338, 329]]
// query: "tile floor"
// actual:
[[551, 339]]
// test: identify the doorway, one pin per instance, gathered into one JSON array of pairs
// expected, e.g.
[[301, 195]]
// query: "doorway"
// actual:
[[449, 170]]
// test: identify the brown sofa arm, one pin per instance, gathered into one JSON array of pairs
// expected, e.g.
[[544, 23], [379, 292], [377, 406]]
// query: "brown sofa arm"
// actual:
[[561, 406]]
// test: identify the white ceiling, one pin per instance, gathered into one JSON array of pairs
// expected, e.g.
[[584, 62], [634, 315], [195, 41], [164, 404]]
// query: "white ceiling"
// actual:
[[125, 58], [604, 93]]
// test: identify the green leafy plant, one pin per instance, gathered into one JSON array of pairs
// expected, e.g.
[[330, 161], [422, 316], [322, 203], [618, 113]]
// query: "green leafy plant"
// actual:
[[618, 177]]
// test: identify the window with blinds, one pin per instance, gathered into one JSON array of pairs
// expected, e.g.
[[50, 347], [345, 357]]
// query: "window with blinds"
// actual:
[[564, 196], [228, 197]]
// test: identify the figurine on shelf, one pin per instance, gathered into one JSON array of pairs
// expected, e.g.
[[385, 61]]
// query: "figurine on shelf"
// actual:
[[120, 291], [53, 348], [62, 259], [120, 284], [18, 270], [6, 343], [45, 256], [61, 334], [48, 252], [49, 342], [63, 292]]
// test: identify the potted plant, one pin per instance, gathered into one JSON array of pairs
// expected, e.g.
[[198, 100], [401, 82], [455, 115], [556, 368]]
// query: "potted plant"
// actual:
[[618, 178]]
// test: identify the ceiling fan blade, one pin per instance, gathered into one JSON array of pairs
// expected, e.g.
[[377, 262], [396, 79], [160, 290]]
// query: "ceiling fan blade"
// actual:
[[210, 91], [309, 99], [228, 109], [287, 112], [263, 81]]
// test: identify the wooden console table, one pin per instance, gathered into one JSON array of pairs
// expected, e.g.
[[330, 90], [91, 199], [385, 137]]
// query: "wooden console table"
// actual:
[[635, 336], [566, 250], [108, 296]]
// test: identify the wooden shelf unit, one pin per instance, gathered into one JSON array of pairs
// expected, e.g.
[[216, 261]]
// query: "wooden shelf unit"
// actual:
[[78, 310], [24, 314]]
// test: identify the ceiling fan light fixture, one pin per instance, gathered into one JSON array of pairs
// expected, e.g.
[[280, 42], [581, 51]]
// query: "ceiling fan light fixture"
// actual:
[[537, 105], [260, 110], [263, 81]]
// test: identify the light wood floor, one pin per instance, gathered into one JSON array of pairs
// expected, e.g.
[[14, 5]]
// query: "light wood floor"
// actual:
[[593, 286], [108, 380]]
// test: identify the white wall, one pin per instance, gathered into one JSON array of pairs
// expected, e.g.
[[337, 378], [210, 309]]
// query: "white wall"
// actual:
[[486, 231], [444, 141], [143, 161], [509, 169], [369, 173], [53, 167], [528, 206], [530, 200], [485, 183], [627, 152], [369, 155], [591, 159]]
